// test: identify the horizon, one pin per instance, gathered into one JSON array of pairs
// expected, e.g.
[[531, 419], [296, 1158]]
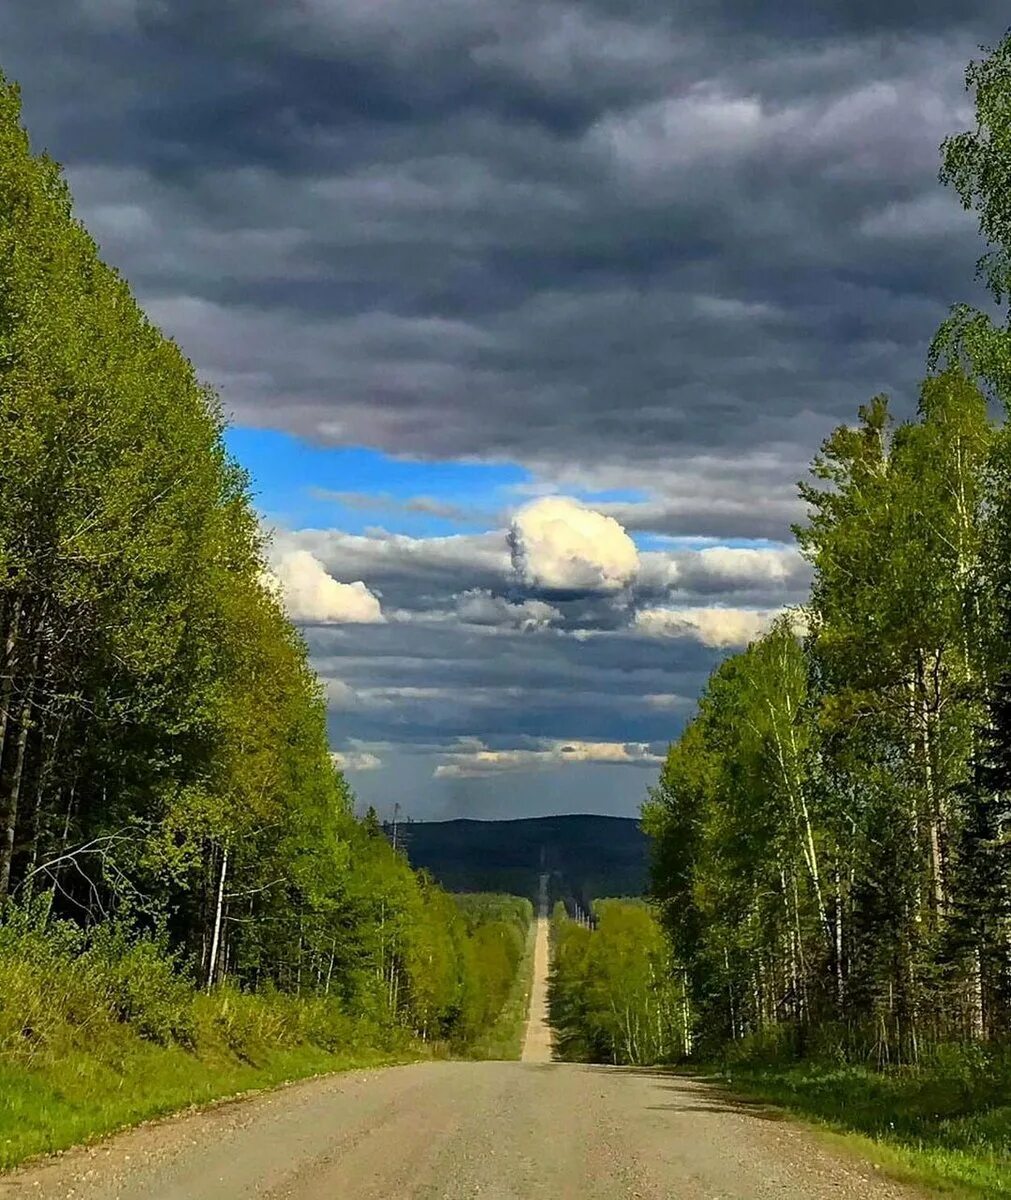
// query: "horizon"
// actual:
[[577, 816]]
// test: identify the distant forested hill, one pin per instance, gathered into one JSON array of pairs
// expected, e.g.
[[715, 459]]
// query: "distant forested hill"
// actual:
[[588, 856]]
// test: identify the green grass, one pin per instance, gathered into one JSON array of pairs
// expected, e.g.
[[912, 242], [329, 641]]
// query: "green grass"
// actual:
[[503, 1041], [101, 1030], [98, 1033], [46, 1107], [948, 1129]]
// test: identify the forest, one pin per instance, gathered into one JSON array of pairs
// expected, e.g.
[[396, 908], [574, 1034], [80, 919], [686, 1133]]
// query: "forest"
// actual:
[[833, 827], [180, 863], [586, 855], [615, 994]]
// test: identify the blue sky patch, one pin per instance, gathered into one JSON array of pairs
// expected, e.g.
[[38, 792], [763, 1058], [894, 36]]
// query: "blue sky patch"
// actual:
[[299, 485]]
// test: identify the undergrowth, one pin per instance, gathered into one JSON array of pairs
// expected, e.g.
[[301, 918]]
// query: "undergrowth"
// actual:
[[945, 1123], [503, 1041], [101, 1030]]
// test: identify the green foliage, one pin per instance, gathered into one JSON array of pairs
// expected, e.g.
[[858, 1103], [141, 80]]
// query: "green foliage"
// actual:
[[503, 1039], [612, 997], [977, 164], [100, 1028], [497, 930], [60, 981], [64, 989], [101, 1072], [816, 825], [161, 738]]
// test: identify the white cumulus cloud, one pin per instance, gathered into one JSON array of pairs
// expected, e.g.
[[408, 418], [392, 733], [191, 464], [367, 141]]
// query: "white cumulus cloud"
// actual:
[[736, 565], [718, 627], [339, 695], [474, 760], [561, 545], [355, 760], [313, 596]]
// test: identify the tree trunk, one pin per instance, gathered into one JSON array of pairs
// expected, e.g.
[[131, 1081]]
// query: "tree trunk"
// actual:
[[329, 972], [212, 962], [934, 816], [7, 689], [798, 803], [686, 1023], [977, 1027], [9, 812], [840, 986], [48, 748]]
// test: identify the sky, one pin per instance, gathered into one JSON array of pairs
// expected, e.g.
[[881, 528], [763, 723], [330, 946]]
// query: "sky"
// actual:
[[528, 315]]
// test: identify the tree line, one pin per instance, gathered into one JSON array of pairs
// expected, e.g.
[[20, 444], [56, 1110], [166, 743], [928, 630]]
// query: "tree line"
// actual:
[[614, 994], [164, 763], [832, 829]]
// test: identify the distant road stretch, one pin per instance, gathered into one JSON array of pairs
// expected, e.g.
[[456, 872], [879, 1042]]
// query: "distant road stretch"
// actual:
[[537, 1042]]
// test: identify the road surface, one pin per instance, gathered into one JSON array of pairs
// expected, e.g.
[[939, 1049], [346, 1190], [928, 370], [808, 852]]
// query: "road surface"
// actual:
[[537, 1042], [530, 1130], [449, 1131]]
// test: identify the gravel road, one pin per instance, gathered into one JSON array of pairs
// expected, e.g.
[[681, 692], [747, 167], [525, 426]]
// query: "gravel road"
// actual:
[[537, 1043], [449, 1130]]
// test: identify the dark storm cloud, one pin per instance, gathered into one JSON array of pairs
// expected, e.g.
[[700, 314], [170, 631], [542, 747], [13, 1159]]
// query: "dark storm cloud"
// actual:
[[452, 683], [566, 234]]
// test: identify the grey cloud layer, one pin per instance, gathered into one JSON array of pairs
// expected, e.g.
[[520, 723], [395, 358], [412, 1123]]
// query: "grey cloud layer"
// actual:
[[475, 574], [578, 235]]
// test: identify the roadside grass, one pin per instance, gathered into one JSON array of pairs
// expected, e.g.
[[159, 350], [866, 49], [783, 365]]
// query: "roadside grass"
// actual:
[[46, 1107], [99, 1032], [945, 1128], [503, 1041]]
